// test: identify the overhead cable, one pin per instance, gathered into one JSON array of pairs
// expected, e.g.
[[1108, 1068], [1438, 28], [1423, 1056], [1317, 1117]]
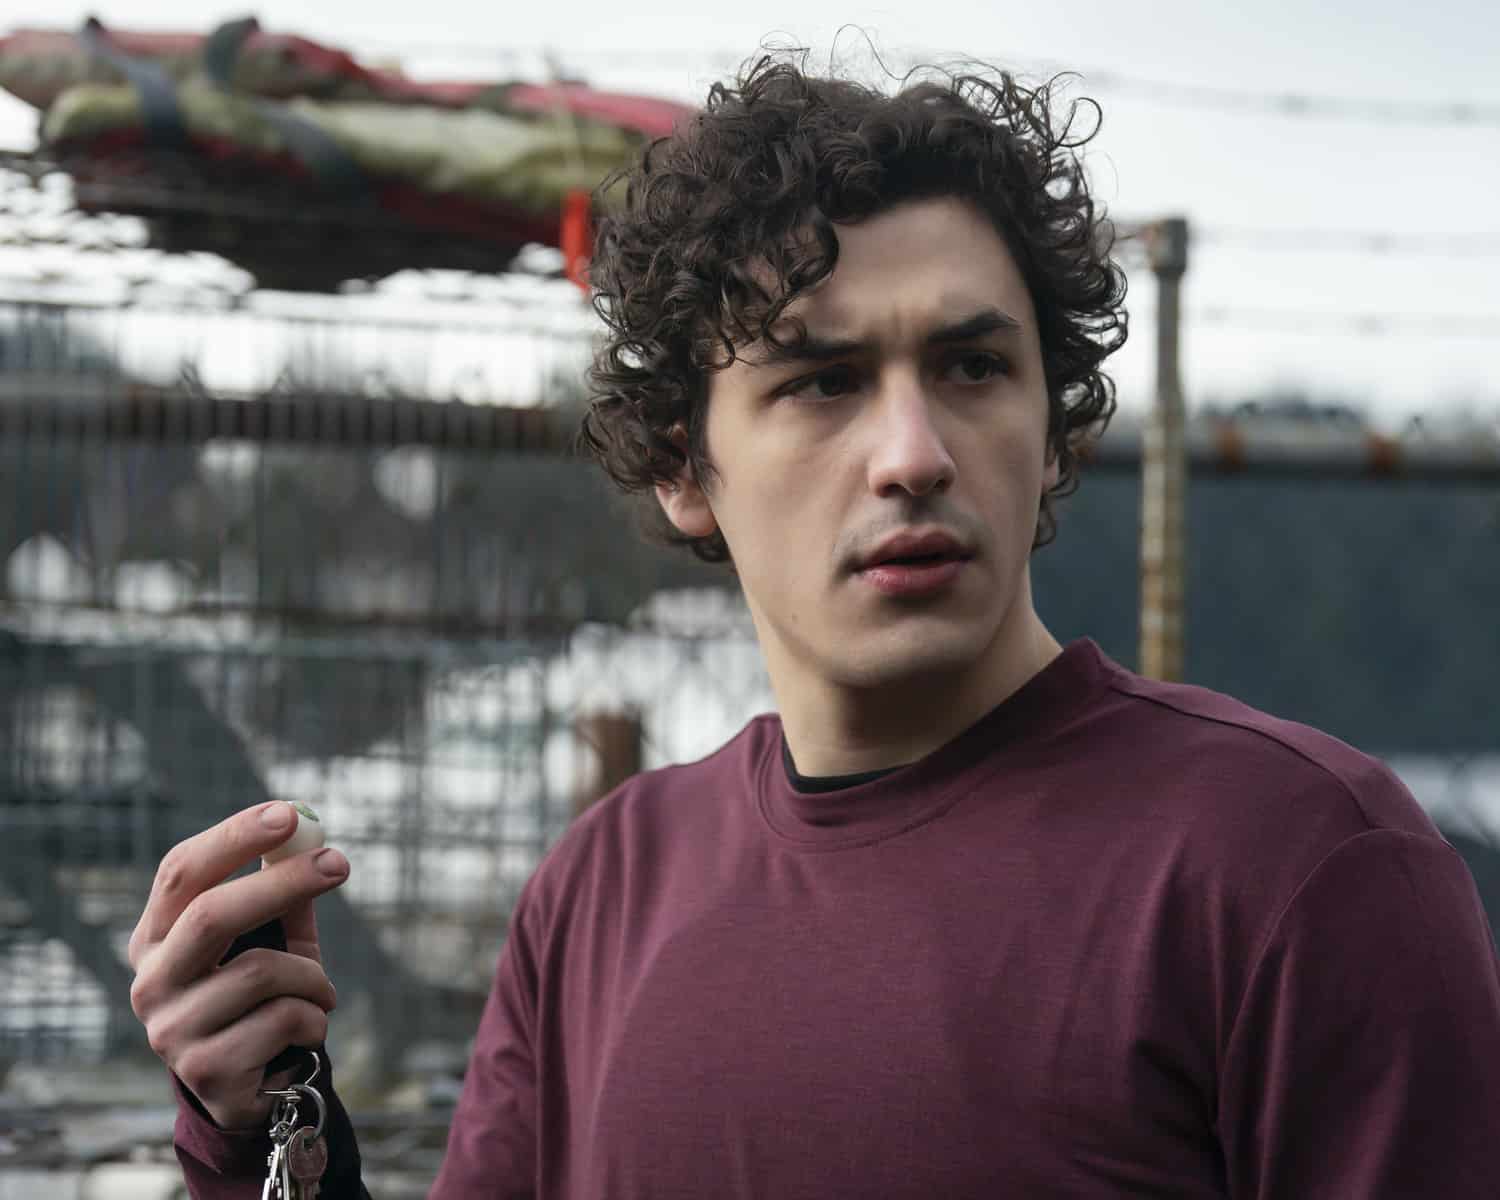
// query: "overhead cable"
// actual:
[[1466, 244], [1454, 111], [1358, 324]]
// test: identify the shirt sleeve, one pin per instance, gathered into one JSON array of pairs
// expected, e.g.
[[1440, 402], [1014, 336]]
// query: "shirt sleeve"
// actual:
[[492, 1142], [1364, 1061]]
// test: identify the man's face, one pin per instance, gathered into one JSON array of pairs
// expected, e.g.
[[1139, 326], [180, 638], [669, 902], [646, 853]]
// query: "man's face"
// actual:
[[918, 405]]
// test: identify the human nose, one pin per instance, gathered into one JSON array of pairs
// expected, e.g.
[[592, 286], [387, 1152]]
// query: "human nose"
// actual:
[[908, 452]]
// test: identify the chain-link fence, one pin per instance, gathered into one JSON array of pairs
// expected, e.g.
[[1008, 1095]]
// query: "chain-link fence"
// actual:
[[196, 617], [411, 620], [443, 767]]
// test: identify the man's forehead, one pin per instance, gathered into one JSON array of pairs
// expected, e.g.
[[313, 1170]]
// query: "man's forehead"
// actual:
[[832, 321], [914, 270], [850, 312]]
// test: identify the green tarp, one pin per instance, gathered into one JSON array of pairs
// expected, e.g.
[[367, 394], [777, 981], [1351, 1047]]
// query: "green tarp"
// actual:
[[528, 163]]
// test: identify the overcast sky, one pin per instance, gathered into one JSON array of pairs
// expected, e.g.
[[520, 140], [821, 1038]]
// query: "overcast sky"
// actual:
[[1224, 170]]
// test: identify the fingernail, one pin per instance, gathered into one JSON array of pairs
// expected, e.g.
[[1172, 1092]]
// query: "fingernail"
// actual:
[[276, 815], [332, 863]]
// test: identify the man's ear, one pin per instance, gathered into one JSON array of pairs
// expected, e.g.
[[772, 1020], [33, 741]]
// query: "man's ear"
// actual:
[[683, 500], [1052, 472]]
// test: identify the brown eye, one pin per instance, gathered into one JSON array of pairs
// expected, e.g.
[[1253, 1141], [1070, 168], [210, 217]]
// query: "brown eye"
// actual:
[[825, 385], [977, 367]]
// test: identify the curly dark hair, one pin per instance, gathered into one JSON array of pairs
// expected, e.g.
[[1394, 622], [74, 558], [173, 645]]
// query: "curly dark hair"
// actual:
[[760, 177]]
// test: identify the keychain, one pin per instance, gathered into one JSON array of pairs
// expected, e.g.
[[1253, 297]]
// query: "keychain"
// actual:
[[299, 1155]]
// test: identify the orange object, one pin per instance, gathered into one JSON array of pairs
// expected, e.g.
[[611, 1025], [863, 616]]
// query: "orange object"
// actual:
[[577, 235]]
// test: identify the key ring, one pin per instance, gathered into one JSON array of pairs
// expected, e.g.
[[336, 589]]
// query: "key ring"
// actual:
[[298, 1091], [301, 1090], [317, 1065]]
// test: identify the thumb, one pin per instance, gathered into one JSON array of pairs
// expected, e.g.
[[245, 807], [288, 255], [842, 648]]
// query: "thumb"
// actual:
[[301, 926]]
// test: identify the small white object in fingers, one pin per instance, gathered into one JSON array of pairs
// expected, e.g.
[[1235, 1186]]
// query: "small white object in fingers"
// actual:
[[308, 835]]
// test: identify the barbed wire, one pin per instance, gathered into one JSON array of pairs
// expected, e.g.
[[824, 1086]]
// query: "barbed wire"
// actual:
[[1291, 104], [1297, 104], [572, 321], [1353, 324], [1450, 111], [31, 215], [1386, 242], [107, 234], [33, 220]]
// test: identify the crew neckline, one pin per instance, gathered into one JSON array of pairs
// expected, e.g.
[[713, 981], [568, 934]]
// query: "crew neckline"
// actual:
[[904, 797], [809, 785]]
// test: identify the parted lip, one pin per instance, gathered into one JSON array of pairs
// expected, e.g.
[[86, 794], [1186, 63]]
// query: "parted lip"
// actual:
[[915, 544]]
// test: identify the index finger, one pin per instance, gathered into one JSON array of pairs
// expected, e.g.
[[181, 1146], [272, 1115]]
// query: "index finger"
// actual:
[[207, 859]]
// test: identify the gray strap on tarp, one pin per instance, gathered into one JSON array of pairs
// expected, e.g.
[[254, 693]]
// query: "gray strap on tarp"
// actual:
[[332, 165], [222, 49], [162, 116]]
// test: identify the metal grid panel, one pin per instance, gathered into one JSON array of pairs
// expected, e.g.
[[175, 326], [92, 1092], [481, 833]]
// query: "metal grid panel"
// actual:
[[405, 638]]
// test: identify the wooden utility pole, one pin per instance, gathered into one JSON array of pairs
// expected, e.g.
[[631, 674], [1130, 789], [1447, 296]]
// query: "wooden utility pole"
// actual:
[[614, 744], [1164, 465]]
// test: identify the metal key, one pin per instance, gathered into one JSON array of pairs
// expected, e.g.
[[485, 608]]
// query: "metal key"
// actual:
[[281, 1184], [277, 1179], [278, 1185], [307, 1159]]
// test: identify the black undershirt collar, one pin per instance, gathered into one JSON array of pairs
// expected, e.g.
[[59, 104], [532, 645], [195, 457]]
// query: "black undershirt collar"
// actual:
[[825, 783]]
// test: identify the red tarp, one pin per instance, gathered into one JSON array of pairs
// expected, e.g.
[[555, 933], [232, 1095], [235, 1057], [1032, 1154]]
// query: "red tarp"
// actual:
[[39, 64], [400, 223]]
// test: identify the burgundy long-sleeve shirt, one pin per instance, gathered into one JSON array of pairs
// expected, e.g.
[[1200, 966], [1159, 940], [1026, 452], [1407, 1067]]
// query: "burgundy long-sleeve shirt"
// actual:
[[1119, 938]]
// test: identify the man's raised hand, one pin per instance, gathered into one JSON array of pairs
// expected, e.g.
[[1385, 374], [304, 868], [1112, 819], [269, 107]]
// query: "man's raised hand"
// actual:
[[216, 1027]]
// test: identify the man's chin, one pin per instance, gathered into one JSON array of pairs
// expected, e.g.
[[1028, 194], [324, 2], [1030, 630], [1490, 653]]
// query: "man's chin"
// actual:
[[935, 661]]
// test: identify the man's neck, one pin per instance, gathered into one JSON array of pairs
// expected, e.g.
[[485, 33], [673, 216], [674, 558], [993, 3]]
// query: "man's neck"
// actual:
[[839, 731]]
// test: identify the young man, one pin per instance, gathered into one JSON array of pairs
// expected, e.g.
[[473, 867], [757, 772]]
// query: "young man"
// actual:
[[977, 914]]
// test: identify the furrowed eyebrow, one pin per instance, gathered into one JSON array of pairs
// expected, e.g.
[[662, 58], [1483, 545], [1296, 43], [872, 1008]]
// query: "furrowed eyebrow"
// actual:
[[815, 349], [988, 320], [810, 349]]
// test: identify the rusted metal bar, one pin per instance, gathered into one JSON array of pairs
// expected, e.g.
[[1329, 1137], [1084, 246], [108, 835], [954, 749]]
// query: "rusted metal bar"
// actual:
[[1164, 466], [115, 409], [1221, 446], [615, 742], [52, 410]]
